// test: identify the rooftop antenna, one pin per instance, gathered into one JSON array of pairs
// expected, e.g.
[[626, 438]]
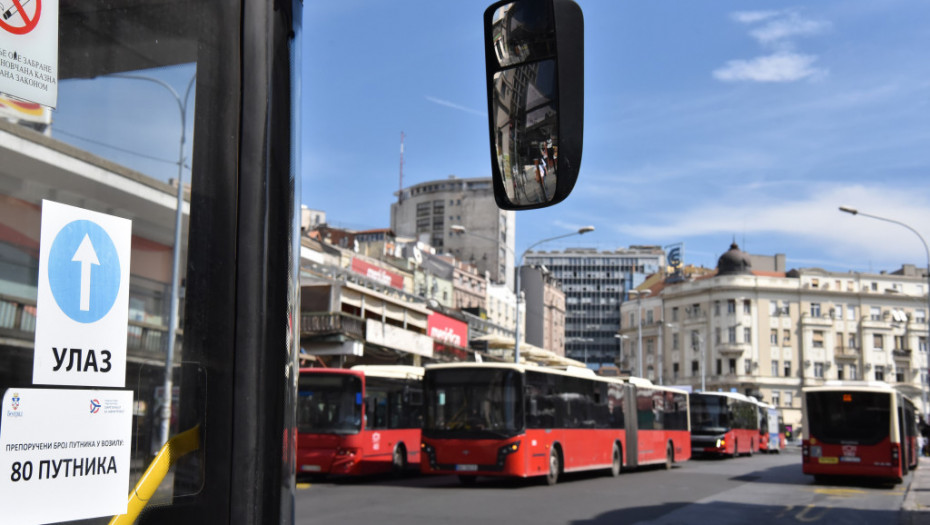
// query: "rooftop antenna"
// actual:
[[400, 189]]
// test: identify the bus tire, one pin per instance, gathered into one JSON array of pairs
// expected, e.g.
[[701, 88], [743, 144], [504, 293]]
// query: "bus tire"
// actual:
[[399, 460], [669, 457], [555, 466], [616, 465]]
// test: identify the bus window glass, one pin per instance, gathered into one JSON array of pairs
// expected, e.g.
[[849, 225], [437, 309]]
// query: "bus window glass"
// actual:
[[329, 404], [863, 421], [474, 401], [709, 414]]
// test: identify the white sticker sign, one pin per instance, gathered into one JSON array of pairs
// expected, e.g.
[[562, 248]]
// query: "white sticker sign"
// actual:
[[82, 307], [29, 50], [64, 454]]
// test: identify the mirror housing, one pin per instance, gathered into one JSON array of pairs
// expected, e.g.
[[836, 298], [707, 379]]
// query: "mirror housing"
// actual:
[[534, 60]]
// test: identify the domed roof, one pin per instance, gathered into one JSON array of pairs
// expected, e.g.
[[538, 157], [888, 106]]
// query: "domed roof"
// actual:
[[734, 262]]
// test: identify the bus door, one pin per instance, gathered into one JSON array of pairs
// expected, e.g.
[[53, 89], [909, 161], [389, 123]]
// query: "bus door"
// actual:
[[631, 425], [157, 202]]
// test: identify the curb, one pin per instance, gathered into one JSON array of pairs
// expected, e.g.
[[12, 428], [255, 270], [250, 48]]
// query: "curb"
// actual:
[[916, 505]]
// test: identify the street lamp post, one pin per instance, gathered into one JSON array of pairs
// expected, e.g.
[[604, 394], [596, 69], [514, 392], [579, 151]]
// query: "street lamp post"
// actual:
[[621, 337], [516, 345], [639, 329], [660, 355], [925, 376], [165, 428]]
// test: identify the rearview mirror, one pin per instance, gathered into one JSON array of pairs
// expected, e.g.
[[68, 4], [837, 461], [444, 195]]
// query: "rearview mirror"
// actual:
[[534, 57]]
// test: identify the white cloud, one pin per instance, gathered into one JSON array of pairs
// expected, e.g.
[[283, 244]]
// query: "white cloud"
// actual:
[[814, 216], [790, 25], [453, 105], [751, 17], [779, 67]]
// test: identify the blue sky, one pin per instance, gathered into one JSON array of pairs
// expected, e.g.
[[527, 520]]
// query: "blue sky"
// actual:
[[704, 122]]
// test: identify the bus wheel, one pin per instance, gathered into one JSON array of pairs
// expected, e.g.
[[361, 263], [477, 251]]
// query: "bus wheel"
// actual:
[[669, 457], [555, 467], [399, 460], [467, 480], [617, 464]]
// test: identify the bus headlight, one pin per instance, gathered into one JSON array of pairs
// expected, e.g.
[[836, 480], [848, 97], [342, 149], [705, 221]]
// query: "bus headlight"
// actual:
[[505, 451]]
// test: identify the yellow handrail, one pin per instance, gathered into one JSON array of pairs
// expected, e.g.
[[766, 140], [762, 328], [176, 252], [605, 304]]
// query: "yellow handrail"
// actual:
[[176, 448]]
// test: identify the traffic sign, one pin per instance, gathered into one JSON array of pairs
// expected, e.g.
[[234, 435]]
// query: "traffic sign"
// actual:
[[29, 50], [82, 310]]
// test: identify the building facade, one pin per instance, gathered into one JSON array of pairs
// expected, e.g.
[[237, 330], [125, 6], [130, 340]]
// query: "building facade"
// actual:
[[594, 283], [427, 212], [545, 309], [770, 334]]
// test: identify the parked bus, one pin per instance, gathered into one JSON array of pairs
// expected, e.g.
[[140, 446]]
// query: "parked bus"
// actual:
[[511, 420], [363, 420], [771, 429], [724, 423], [860, 429]]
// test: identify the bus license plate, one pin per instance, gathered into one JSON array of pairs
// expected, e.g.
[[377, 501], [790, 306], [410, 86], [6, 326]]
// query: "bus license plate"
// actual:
[[829, 461], [311, 468], [850, 459], [466, 468]]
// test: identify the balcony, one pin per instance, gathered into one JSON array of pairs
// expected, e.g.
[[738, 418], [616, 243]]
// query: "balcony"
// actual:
[[731, 349], [331, 324], [901, 353], [823, 320], [846, 352]]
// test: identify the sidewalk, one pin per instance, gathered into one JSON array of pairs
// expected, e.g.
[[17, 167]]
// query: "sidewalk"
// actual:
[[916, 506]]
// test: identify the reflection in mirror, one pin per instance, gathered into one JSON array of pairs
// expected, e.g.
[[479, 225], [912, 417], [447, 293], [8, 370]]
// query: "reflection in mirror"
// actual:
[[523, 32], [525, 116]]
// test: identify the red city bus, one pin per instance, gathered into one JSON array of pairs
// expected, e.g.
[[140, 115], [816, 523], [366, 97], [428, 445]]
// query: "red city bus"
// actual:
[[723, 423], [357, 421], [858, 429], [496, 419]]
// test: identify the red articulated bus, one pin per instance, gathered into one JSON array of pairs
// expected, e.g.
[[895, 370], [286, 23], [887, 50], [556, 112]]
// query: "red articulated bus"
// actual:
[[522, 421], [363, 420], [724, 424], [858, 429]]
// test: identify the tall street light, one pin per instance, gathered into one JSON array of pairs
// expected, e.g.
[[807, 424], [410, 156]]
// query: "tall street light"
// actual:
[[925, 376], [639, 328], [165, 428], [700, 338], [661, 353], [516, 345], [581, 231]]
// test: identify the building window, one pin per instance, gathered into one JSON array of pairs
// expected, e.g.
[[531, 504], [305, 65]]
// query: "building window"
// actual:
[[852, 341], [818, 339], [788, 399], [839, 371], [773, 336], [731, 306], [818, 370], [747, 306], [717, 335], [719, 367], [922, 343], [732, 366], [879, 373], [675, 341], [853, 372], [815, 309], [747, 366], [878, 342], [786, 336], [716, 307], [850, 312], [776, 398], [787, 368], [815, 283], [899, 374], [747, 335], [920, 316], [774, 368], [674, 314], [695, 367], [675, 371], [773, 308], [838, 311], [875, 313], [731, 334]]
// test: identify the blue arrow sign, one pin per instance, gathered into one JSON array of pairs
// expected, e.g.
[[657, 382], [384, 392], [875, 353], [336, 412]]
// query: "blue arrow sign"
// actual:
[[84, 271]]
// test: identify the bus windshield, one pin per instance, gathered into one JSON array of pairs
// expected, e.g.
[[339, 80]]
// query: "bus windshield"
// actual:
[[849, 418], [329, 404], [709, 415], [474, 403]]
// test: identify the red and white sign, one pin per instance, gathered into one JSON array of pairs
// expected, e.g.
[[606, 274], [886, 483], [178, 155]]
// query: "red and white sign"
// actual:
[[447, 330], [29, 50], [377, 274]]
